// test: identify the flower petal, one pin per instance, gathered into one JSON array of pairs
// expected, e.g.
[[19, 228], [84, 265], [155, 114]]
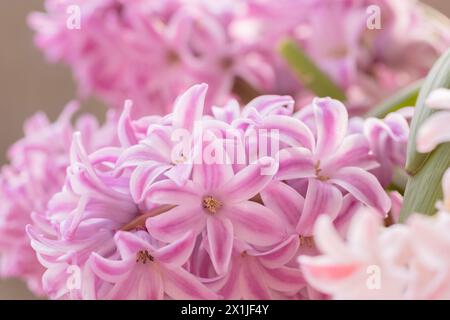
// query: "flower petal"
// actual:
[[283, 200], [125, 131], [284, 279], [178, 252], [432, 132], [220, 241], [363, 186], [281, 254], [168, 192], [110, 270], [321, 198], [249, 181], [353, 152], [181, 285], [143, 177], [173, 224], [295, 163], [189, 107], [331, 124], [253, 285], [439, 99], [255, 223]]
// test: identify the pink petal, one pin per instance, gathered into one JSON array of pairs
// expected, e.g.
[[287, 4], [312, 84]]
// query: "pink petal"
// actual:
[[178, 252], [143, 177], [150, 286], [363, 186], [295, 163], [431, 133], [189, 107], [136, 155], [181, 285], [168, 192], [321, 198], [323, 273], [255, 223], [129, 243], [212, 176], [270, 104], [328, 240], [180, 173], [290, 130], [283, 200], [281, 254], [110, 270], [284, 279], [127, 136], [331, 125], [220, 241], [173, 224], [353, 152], [253, 285], [249, 181]]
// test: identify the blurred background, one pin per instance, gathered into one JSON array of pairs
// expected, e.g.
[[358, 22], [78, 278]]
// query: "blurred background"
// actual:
[[29, 84]]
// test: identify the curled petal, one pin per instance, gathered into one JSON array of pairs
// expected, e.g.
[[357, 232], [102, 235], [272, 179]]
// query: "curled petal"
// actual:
[[295, 163], [249, 181], [143, 177], [189, 107], [364, 187], [321, 199], [281, 254], [110, 270], [253, 285], [433, 132], [353, 152], [331, 124], [127, 136]]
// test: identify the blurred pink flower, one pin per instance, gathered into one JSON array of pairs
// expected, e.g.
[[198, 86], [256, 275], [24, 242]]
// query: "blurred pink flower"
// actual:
[[400, 262], [36, 171]]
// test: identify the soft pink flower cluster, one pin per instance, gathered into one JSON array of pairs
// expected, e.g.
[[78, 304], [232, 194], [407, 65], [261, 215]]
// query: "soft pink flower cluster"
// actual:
[[151, 51], [189, 206], [36, 172], [404, 261]]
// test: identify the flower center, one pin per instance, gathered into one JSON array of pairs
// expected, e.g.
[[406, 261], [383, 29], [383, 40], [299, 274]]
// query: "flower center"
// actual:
[[211, 205], [319, 175], [143, 256], [306, 241]]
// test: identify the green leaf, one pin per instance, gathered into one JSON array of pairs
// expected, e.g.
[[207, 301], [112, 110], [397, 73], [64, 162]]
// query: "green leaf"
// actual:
[[425, 188], [426, 169], [308, 72], [404, 98], [438, 77]]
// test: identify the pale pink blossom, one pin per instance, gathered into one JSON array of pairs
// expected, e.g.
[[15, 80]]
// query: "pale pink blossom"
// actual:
[[434, 130], [36, 171]]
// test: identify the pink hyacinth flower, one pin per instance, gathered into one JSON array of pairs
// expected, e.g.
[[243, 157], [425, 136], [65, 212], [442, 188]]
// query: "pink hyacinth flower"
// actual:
[[335, 161], [146, 271]]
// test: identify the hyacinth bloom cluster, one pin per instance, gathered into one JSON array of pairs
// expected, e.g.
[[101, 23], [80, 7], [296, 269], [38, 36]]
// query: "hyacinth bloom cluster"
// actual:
[[36, 172], [151, 51], [404, 261], [152, 218]]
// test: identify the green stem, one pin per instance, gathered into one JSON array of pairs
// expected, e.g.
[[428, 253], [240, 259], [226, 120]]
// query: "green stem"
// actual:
[[308, 73]]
